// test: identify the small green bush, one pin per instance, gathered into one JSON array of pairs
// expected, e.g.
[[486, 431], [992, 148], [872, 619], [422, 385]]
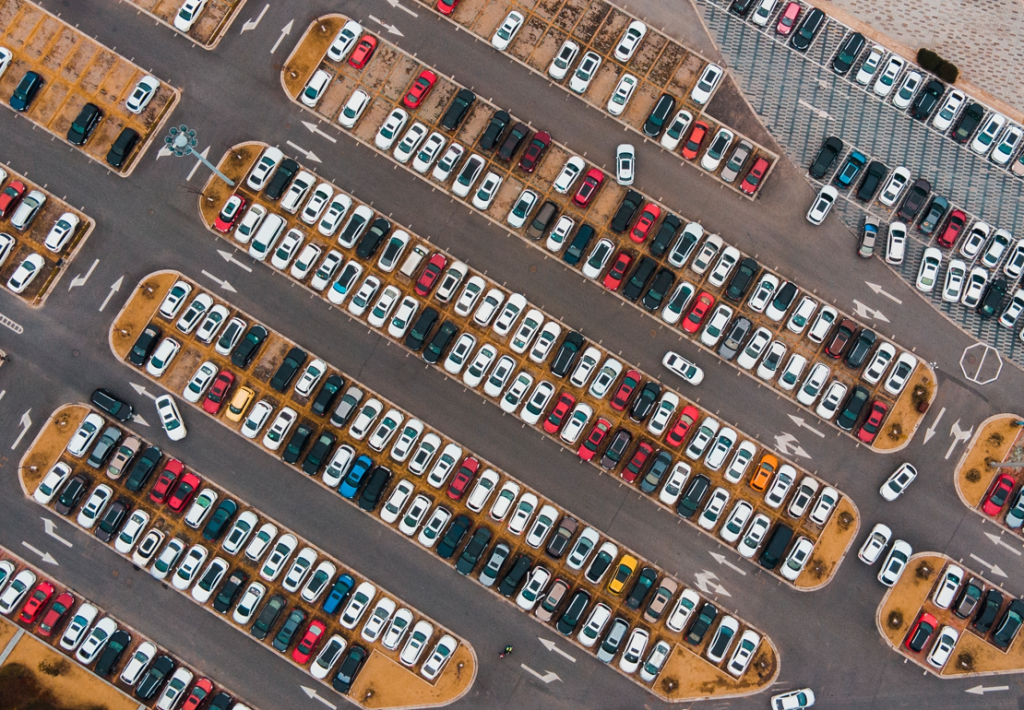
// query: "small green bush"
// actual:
[[928, 59], [948, 72]]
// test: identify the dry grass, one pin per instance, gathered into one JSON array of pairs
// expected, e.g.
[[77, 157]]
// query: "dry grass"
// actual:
[[309, 52], [138, 311], [974, 655], [687, 676], [49, 445], [7, 631], [383, 683], [236, 164], [904, 414], [902, 603], [831, 547], [992, 442]]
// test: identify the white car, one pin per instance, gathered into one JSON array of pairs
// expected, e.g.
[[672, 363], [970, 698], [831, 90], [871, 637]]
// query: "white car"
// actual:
[[443, 170], [532, 588], [170, 418], [479, 366], [834, 395], [297, 191], [327, 657], [209, 579], [189, 568], [905, 94], [239, 533], [315, 88], [250, 223], [741, 461], [895, 563], [599, 617], [559, 234], [263, 169], [256, 418], [896, 246], [566, 55], [86, 433], [706, 84], [822, 204], [345, 41], [26, 273], [261, 541], [442, 652], [716, 150], [280, 427], [948, 587], [683, 367], [950, 108], [898, 182], [780, 486], [659, 420], [572, 169], [769, 366], [673, 487], [61, 232], [522, 513], [943, 648], [715, 327], [76, 630], [174, 691], [763, 292], [287, 249], [625, 164], [16, 591], [928, 273], [797, 559], [283, 549], [900, 373], [507, 31], [400, 622], [676, 129], [318, 202], [956, 277], [202, 505], [887, 78], [299, 569], [1014, 265], [801, 315], [990, 130], [361, 300], [1007, 145], [53, 481], [585, 72], [713, 509], [410, 142], [418, 639], [379, 617], [1013, 311], [705, 433], [634, 652], [487, 191], [898, 482], [975, 286], [813, 384], [630, 40], [875, 544], [390, 129], [622, 94], [755, 347], [167, 557], [142, 94], [879, 363], [428, 153], [381, 311], [744, 653], [96, 641], [211, 325], [736, 522], [188, 13], [1002, 241], [727, 261], [353, 109], [870, 65], [395, 503], [687, 603], [793, 700], [722, 640], [522, 208], [144, 654], [468, 175], [162, 357]]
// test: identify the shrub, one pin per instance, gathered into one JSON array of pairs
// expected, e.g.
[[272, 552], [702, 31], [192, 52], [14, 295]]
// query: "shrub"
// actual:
[[973, 476], [928, 59], [948, 72]]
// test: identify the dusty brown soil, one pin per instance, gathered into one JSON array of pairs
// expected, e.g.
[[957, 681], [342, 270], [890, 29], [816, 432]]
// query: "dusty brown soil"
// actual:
[[570, 14], [611, 30], [383, 683], [235, 163], [545, 50], [992, 442], [137, 311], [547, 9], [592, 19], [491, 15], [309, 52], [404, 70], [833, 544], [644, 98], [647, 54], [686, 75], [900, 606], [603, 84], [666, 64], [373, 116], [49, 445], [974, 655], [687, 676], [528, 38], [7, 631], [904, 413], [467, 10]]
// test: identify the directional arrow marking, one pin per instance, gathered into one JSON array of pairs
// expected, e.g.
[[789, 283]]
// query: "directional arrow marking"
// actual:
[[253, 24], [392, 30], [801, 422], [959, 435], [790, 445], [313, 694], [137, 418], [80, 280], [547, 677], [114, 288], [982, 689], [49, 526], [994, 569], [1000, 542], [930, 431], [720, 559], [400, 6], [879, 290], [26, 424], [865, 311], [310, 155], [552, 646], [284, 33], [230, 258], [46, 556], [313, 129], [223, 284], [706, 583], [139, 389]]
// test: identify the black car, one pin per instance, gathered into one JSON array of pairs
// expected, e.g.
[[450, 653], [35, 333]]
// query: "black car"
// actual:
[[987, 611], [474, 549], [458, 109], [559, 542], [580, 241], [934, 214], [849, 50], [327, 394], [742, 7], [142, 469], [104, 447], [374, 489], [218, 522], [229, 592], [655, 122], [852, 408], [268, 617], [220, 701], [26, 90], [153, 679], [652, 479], [287, 369], [641, 588], [784, 296], [281, 179], [927, 100], [246, 350], [990, 302], [112, 652], [287, 633], [144, 345], [447, 545], [658, 289], [84, 124], [354, 658], [567, 353], [808, 30], [573, 613], [374, 237], [915, 200], [742, 279], [122, 147], [1009, 625], [699, 627], [495, 128], [512, 141], [694, 495], [643, 405], [436, 347], [637, 281], [421, 328], [598, 567], [297, 443], [320, 453], [873, 176], [666, 233], [969, 121], [111, 521], [734, 337], [830, 150], [613, 454], [627, 208], [514, 576], [858, 353], [109, 403]]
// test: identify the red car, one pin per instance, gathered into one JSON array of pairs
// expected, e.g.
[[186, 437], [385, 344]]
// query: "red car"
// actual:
[[463, 477], [589, 447], [315, 632], [218, 392], [557, 417], [363, 51], [200, 690], [10, 196], [921, 632], [428, 279], [996, 498], [419, 89], [699, 311], [446, 7], [870, 428], [692, 145], [753, 178], [183, 492], [955, 225], [787, 20], [229, 213], [625, 390], [643, 225], [36, 601], [531, 156], [687, 417], [591, 182], [632, 470], [55, 614], [613, 279], [166, 480]]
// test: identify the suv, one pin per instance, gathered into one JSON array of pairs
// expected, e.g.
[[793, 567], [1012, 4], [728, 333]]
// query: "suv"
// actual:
[[286, 371], [655, 122], [84, 124], [624, 214], [282, 178], [968, 123], [495, 128], [122, 147], [458, 109], [566, 355], [26, 91], [808, 30], [830, 150], [872, 179]]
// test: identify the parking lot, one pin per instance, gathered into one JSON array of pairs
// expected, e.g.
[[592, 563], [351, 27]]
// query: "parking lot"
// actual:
[[990, 490], [76, 72], [207, 30], [24, 250]]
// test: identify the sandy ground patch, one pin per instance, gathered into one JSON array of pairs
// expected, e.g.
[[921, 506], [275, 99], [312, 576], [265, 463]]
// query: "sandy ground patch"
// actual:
[[687, 676], [607, 37], [506, 197], [335, 96], [437, 101], [373, 117], [404, 70], [382, 683], [665, 67], [545, 50], [641, 104], [904, 418], [7, 631], [60, 50], [308, 53], [491, 15], [570, 14], [606, 202], [648, 53], [473, 125], [547, 9], [42, 37], [831, 547], [992, 442], [467, 10], [603, 84], [139, 309], [686, 75], [591, 21], [528, 38], [49, 445]]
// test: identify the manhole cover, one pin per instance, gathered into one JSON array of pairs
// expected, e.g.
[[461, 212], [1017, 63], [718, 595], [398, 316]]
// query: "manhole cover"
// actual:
[[74, 353]]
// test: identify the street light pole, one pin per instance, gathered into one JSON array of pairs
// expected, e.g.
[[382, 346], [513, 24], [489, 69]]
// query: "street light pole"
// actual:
[[182, 141]]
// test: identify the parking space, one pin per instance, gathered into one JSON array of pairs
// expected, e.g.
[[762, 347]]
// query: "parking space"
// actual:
[[802, 101], [170, 499], [206, 28], [40, 235], [33, 635], [532, 370], [75, 88], [525, 521], [951, 621], [992, 491]]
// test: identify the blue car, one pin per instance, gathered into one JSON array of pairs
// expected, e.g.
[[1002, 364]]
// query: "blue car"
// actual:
[[350, 484], [339, 593], [850, 170]]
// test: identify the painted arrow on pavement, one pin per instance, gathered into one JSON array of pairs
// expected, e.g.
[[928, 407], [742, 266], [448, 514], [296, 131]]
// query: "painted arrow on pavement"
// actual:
[[879, 290], [284, 33], [315, 696], [706, 583], [994, 569], [801, 422], [930, 431], [139, 389], [720, 559], [50, 527], [310, 155], [81, 280], [865, 311], [230, 258], [313, 129], [114, 288], [222, 283], [790, 445], [26, 424], [996, 540], [392, 30], [552, 646], [253, 24], [46, 556], [547, 677], [982, 689]]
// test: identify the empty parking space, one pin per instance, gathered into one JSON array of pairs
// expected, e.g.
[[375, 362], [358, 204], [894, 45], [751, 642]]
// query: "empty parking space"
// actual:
[[206, 27]]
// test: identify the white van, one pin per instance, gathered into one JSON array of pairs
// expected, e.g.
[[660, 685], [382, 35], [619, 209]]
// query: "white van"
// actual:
[[413, 261], [263, 243]]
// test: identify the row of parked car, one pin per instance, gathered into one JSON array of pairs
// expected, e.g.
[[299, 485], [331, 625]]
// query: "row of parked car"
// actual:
[[198, 567], [99, 643]]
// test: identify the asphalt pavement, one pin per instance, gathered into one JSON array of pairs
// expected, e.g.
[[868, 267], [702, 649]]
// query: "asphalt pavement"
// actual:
[[827, 639]]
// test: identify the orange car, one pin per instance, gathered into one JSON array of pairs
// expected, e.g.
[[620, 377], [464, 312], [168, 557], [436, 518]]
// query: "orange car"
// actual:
[[692, 145], [763, 475]]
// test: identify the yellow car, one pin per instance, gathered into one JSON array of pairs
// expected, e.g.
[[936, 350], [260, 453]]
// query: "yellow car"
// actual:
[[239, 403], [622, 573]]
